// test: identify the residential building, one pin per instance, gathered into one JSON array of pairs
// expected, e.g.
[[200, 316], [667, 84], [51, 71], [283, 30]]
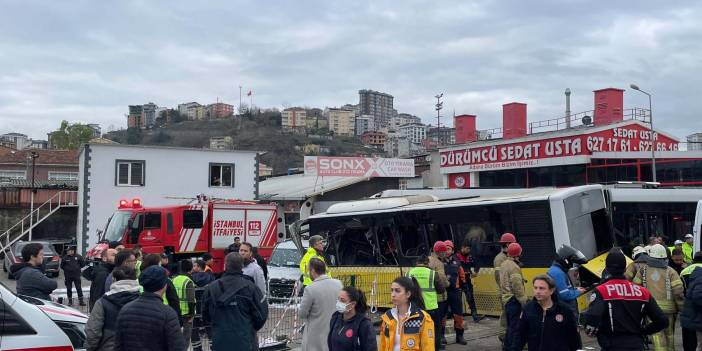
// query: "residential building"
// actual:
[[402, 119], [198, 113], [149, 114], [414, 132], [315, 119], [221, 143], [374, 139], [109, 173], [694, 142], [189, 110], [341, 121], [401, 147], [97, 131], [49, 165], [294, 119], [20, 141], [442, 136], [9, 144], [377, 104], [218, 110], [364, 123]]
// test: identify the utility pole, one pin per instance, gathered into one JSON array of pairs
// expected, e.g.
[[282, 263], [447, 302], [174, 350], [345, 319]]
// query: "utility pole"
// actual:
[[33, 156], [240, 99], [439, 106]]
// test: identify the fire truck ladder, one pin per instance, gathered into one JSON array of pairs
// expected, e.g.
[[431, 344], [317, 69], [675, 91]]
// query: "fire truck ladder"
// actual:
[[21, 229]]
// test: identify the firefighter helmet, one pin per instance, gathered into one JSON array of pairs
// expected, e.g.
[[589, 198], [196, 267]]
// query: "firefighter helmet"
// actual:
[[508, 238], [514, 250], [658, 251], [638, 251], [440, 246], [449, 243], [571, 255]]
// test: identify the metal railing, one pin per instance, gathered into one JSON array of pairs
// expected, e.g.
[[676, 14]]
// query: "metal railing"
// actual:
[[574, 120], [20, 229]]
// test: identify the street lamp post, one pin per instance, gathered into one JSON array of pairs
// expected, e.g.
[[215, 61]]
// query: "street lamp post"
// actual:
[[33, 156], [650, 121]]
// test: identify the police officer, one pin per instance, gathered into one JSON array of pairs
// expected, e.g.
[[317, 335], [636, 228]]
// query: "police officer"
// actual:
[[640, 256], [505, 240], [619, 309], [512, 292], [666, 287], [566, 258], [456, 277], [430, 287]]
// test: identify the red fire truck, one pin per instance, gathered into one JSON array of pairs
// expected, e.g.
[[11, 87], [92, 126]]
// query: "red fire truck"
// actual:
[[208, 225]]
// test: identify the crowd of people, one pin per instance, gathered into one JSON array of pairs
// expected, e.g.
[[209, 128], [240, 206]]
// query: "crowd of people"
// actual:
[[146, 302]]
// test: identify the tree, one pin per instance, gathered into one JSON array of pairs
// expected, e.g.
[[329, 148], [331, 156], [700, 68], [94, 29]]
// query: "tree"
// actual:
[[71, 136], [134, 136]]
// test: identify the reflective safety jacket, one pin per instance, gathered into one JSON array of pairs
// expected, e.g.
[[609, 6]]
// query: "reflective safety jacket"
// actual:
[[512, 282], [416, 330], [304, 269], [634, 267], [427, 282], [665, 286], [687, 250], [685, 274], [185, 288], [619, 311]]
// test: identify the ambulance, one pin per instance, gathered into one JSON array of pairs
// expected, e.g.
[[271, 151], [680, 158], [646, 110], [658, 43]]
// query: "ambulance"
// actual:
[[184, 231]]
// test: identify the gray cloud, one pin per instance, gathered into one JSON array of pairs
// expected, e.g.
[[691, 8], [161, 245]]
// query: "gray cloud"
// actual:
[[86, 61]]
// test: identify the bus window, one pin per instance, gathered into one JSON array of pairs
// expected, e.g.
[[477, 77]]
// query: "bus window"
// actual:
[[635, 222], [534, 232]]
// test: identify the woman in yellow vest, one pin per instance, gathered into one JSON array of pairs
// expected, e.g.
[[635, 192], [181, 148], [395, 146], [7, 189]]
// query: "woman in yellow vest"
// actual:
[[406, 326]]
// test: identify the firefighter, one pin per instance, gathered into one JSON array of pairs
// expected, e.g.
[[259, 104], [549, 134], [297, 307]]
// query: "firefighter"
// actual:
[[665, 286], [470, 268], [640, 256], [619, 310], [316, 250], [505, 240], [430, 287], [512, 292], [456, 278], [436, 263]]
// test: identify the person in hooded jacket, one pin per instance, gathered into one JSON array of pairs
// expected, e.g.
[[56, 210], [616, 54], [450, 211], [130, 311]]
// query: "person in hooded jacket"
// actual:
[[101, 327], [350, 328], [566, 259], [547, 323], [31, 281], [97, 275], [234, 307], [691, 316]]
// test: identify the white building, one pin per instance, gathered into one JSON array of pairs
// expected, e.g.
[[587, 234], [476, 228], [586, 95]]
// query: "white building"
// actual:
[[157, 176], [189, 110], [20, 140], [402, 119], [694, 142], [364, 123], [414, 132]]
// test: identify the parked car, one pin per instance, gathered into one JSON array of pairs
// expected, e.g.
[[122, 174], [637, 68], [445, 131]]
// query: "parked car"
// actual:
[[27, 326], [70, 320], [52, 260], [284, 269]]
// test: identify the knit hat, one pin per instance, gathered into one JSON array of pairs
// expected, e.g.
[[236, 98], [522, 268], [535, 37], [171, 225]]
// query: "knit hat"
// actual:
[[153, 279], [615, 262]]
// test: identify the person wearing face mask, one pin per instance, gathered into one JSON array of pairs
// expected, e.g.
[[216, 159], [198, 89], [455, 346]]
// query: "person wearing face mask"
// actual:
[[350, 328]]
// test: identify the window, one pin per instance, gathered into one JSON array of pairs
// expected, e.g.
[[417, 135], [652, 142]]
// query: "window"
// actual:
[[192, 219], [130, 173], [169, 223], [13, 174], [221, 175], [12, 323], [152, 220], [63, 175]]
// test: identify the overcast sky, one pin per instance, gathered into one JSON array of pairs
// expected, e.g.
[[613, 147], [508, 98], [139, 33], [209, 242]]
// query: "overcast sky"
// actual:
[[85, 61]]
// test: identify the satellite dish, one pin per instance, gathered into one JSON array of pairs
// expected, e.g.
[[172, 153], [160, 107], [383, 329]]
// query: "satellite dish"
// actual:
[[587, 120]]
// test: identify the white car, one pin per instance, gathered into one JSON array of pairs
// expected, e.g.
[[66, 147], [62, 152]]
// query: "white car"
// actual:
[[31, 323], [284, 269]]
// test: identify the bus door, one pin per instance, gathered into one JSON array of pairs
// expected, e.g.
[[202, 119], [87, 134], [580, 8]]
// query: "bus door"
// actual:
[[697, 229]]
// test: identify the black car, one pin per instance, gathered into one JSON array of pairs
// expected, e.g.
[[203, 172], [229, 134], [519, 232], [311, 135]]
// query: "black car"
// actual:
[[52, 260]]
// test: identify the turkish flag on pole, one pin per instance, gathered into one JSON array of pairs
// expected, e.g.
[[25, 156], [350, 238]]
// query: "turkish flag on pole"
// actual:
[[249, 94]]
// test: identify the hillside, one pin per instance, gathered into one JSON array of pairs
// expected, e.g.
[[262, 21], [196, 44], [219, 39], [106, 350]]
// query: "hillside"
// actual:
[[261, 132]]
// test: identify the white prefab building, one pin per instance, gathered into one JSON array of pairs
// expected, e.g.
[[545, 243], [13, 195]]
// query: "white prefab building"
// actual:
[[157, 176]]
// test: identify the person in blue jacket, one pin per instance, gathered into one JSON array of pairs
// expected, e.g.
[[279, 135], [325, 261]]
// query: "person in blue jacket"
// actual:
[[567, 257]]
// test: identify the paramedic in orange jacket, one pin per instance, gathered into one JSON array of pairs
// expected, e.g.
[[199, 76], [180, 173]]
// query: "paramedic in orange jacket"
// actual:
[[406, 325]]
